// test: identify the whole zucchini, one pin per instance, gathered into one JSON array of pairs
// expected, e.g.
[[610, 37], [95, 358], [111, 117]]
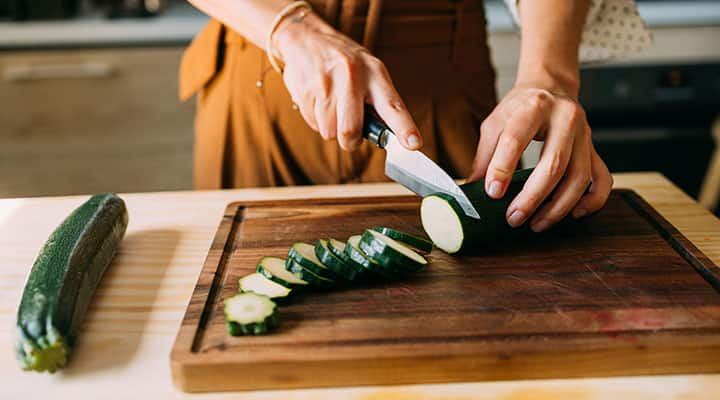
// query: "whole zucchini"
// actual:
[[452, 231], [63, 280]]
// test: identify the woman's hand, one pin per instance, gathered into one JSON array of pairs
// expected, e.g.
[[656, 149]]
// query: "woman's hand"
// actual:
[[331, 78], [568, 162]]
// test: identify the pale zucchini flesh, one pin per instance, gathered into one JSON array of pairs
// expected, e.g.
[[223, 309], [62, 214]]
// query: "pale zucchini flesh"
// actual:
[[259, 284], [415, 242], [451, 230], [273, 268], [336, 247], [304, 254], [250, 314], [305, 274], [442, 224], [393, 248]]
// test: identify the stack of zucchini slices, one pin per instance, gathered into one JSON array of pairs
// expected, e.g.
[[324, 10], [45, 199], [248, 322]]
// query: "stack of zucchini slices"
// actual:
[[378, 254]]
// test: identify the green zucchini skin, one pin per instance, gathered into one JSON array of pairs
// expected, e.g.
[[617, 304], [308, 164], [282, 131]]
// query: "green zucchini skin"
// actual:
[[385, 255], [492, 224], [267, 272], [307, 275], [333, 262], [309, 264], [339, 252], [63, 280], [370, 266], [260, 327], [421, 245]]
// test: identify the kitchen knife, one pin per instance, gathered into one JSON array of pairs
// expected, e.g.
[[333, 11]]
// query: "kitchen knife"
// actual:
[[412, 168]]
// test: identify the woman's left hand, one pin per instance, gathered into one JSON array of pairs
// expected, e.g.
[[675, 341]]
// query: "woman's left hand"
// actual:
[[568, 162]]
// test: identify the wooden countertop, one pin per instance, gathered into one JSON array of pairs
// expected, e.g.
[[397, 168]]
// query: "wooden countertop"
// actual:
[[129, 330]]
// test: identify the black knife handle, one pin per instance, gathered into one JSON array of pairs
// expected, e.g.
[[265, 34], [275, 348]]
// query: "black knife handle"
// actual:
[[374, 130]]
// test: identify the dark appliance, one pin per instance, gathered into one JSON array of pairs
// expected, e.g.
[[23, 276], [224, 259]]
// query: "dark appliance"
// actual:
[[654, 118], [42, 9], [4, 9]]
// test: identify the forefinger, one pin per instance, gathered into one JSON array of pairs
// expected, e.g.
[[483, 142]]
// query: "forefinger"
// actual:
[[390, 107], [520, 128]]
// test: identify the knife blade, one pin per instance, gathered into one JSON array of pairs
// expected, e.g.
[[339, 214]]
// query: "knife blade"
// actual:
[[412, 168]]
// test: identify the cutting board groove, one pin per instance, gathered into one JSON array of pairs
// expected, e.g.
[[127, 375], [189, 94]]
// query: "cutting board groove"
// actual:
[[679, 243], [619, 293], [214, 290]]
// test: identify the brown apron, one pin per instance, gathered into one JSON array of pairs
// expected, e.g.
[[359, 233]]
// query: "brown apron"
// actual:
[[249, 135]]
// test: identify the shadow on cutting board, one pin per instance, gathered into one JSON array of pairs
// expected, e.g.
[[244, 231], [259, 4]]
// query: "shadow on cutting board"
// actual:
[[119, 315]]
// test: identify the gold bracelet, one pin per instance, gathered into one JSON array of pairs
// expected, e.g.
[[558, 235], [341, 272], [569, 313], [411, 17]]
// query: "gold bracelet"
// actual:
[[289, 9]]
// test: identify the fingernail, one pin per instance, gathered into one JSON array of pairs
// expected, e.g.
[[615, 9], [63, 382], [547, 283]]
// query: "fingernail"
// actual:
[[540, 226], [494, 189], [516, 218], [413, 141], [579, 213]]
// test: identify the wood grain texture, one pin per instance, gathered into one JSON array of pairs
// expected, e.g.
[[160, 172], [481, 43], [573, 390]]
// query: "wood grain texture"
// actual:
[[620, 293], [134, 318]]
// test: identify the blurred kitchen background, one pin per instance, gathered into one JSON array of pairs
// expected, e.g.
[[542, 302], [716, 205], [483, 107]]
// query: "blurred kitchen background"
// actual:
[[88, 96]]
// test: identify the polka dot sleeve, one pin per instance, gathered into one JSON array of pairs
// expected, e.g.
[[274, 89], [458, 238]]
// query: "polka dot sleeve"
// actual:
[[613, 29]]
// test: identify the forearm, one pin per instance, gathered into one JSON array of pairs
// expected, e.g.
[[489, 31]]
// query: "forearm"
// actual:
[[551, 32], [251, 18]]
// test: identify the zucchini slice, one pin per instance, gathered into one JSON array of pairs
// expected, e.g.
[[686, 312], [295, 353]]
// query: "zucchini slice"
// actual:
[[250, 314], [338, 248], [304, 254], [259, 284], [389, 252], [334, 263], [453, 232], [416, 242], [63, 280], [305, 274], [371, 266], [273, 268]]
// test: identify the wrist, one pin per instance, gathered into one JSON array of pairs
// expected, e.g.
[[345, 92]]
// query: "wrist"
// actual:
[[564, 80], [293, 30]]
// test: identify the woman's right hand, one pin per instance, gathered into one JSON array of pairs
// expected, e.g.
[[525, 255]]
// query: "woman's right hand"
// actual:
[[330, 78]]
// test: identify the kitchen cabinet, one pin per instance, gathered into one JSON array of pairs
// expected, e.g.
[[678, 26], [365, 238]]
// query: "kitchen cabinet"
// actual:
[[93, 120]]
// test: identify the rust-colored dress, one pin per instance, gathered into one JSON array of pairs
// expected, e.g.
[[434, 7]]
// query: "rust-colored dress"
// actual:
[[250, 135]]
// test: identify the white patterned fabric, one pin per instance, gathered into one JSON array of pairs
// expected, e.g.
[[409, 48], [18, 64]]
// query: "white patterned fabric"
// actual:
[[613, 29]]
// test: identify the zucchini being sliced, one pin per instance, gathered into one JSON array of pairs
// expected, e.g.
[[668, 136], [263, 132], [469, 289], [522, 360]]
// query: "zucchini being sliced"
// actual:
[[63, 280], [416, 242], [334, 263], [273, 268], [250, 314], [259, 284], [304, 254], [305, 274], [390, 253], [371, 266], [452, 231]]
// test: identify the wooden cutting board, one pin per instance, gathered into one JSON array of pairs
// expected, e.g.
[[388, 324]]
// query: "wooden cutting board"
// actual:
[[619, 293]]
